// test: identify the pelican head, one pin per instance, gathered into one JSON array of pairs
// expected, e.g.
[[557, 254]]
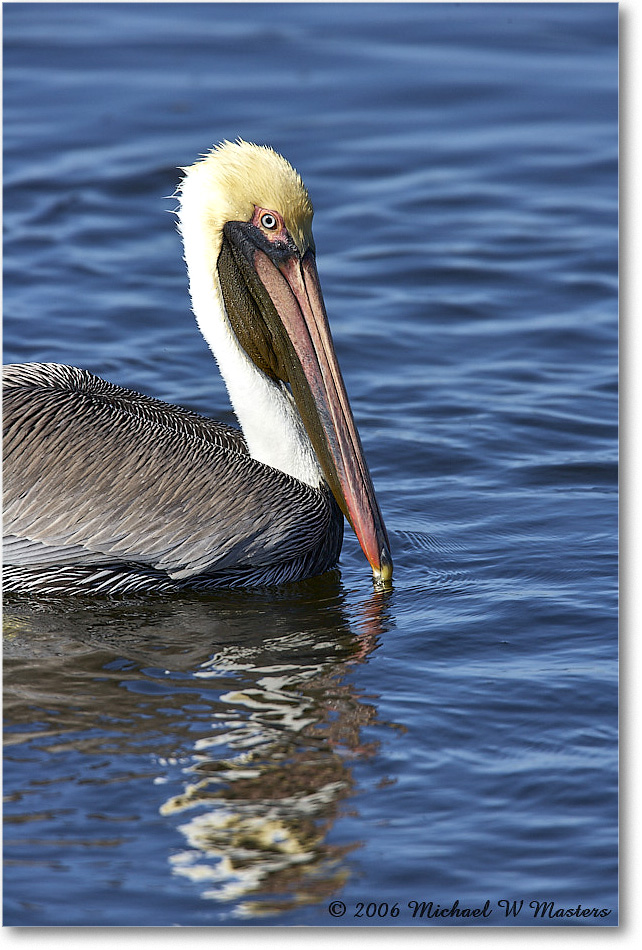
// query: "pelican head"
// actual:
[[246, 221]]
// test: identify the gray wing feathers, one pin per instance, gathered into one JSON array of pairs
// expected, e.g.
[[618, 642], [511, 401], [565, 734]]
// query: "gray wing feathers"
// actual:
[[23, 552], [96, 473]]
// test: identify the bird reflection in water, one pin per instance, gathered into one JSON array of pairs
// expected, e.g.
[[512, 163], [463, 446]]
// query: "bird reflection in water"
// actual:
[[268, 785], [244, 703]]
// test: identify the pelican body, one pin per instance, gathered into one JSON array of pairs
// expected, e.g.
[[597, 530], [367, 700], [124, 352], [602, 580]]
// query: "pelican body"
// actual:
[[108, 490]]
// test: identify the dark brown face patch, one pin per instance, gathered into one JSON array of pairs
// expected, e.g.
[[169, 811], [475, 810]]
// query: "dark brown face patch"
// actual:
[[249, 307]]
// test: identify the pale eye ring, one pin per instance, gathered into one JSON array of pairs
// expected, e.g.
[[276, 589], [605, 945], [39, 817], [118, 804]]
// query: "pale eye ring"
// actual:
[[269, 221]]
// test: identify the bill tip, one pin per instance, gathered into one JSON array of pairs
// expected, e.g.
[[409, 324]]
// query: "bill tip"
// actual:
[[382, 576]]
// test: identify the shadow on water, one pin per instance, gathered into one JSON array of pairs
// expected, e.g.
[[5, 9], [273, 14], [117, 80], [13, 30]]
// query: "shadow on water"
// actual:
[[242, 704]]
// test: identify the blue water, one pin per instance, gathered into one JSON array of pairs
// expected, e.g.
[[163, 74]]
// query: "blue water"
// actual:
[[252, 758]]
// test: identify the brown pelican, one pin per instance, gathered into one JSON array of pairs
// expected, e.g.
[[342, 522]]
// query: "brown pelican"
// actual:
[[107, 490]]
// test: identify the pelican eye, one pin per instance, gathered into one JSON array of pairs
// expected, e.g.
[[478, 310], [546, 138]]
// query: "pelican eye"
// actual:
[[269, 221]]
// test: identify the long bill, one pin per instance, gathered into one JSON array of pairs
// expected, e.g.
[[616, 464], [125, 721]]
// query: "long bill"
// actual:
[[293, 285]]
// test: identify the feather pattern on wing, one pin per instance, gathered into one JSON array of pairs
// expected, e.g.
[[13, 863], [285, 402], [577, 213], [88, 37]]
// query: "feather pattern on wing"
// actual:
[[159, 470]]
